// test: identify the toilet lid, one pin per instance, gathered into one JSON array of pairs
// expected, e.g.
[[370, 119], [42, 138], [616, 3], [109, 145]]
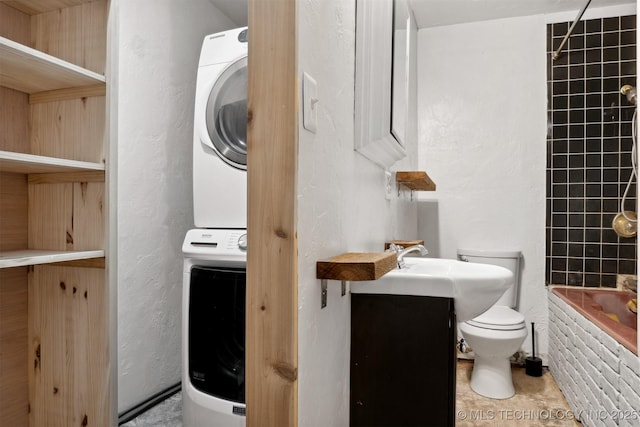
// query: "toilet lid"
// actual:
[[500, 318]]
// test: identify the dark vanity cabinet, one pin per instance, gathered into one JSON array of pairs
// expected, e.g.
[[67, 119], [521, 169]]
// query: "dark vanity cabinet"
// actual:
[[402, 361]]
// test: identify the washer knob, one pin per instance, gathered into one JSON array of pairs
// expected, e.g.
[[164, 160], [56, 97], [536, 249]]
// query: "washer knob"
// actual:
[[242, 242]]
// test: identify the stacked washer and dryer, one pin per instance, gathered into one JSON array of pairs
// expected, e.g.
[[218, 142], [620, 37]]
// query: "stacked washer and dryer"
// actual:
[[214, 274]]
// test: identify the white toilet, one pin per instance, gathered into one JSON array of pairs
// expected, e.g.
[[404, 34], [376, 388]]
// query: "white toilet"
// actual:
[[498, 333]]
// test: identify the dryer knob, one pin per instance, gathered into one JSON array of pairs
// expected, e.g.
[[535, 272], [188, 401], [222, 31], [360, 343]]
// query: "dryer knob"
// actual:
[[242, 242], [242, 37]]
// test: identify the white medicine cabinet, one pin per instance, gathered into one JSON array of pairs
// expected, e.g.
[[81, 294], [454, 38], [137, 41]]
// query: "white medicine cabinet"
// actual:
[[386, 34]]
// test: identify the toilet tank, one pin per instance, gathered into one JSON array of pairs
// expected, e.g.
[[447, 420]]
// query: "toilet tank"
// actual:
[[507, 259]]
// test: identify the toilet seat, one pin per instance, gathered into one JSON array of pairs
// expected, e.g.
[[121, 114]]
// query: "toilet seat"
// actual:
[[499, 318]]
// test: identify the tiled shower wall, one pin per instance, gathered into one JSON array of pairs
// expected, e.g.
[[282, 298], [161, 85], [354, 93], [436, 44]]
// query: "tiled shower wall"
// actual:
[[589, 146]]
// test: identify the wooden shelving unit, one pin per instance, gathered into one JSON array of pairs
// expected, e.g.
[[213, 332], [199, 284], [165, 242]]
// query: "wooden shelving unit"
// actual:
[[54, 296]]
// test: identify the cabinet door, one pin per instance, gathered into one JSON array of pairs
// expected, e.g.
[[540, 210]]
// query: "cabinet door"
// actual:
[[402, 361]]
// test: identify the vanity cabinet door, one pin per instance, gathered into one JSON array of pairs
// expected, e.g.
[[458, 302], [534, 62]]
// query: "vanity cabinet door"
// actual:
[[402, 361]]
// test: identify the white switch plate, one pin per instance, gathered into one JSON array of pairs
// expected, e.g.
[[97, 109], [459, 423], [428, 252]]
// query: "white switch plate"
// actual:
[[389, 185], [309, 102]]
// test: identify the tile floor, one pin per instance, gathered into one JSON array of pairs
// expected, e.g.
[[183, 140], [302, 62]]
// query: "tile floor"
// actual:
[[538, 403], [168, 413]]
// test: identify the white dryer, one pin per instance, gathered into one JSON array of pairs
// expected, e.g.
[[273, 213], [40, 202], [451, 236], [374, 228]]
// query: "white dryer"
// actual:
[[220, 132]]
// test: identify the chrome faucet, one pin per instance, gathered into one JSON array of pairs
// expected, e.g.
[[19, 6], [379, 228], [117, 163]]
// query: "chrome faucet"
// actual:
[[401, 252]]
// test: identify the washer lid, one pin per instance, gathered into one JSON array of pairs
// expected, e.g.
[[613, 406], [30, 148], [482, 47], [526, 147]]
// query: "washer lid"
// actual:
[[499, 318]]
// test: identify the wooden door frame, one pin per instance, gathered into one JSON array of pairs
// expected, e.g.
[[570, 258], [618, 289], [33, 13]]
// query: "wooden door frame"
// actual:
[[272, 297]]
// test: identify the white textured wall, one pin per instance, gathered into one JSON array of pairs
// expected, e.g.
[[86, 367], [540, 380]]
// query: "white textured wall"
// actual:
[[159, 46], [341, 208], [482, 138]]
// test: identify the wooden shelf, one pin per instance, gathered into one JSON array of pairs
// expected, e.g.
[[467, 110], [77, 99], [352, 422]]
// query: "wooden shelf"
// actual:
[[356, 266], [403, 243], [34, 257], [34, 7], [28, 70], [415, 180], [29, 163]]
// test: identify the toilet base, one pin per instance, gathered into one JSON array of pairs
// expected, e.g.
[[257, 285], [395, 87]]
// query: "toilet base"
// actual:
[[491, 377]]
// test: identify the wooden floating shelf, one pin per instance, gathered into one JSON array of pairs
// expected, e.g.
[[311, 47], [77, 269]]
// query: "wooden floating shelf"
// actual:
[[416, 181], [28, 70], [356, 266], [34, 257], [403, 243], [29, 163]]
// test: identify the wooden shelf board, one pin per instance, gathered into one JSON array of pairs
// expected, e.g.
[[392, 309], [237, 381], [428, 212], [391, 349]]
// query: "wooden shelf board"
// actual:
[[34, 7], [68, 93], [356, 266], [415, 180], [35, 256], [403, 243], [31, 71], [28, 163]]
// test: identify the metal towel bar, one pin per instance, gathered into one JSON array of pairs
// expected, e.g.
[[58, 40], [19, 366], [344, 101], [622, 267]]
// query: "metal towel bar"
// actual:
[[556, 54]]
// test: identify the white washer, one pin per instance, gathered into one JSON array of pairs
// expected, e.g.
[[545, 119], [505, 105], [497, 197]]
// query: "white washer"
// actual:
[[213, 328], [220, 132]]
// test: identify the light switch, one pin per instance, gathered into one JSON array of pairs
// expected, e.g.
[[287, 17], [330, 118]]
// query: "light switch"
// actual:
[[389, 185], [309, 102]]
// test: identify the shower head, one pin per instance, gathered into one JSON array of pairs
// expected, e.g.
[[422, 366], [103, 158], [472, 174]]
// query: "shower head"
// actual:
[[630, 92]]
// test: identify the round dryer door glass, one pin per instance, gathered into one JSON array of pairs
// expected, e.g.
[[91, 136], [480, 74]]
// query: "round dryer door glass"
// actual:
[[227, 114]]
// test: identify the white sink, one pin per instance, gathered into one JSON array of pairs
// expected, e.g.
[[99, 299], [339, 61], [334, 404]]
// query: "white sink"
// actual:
[[474, 287]]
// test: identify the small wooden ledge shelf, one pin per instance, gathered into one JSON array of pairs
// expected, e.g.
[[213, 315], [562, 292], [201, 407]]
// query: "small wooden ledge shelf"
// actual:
[[403, 243], [415, 181], [354, 266]]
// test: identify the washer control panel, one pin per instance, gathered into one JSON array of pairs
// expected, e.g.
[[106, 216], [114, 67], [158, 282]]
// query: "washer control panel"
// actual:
[[216, 242]]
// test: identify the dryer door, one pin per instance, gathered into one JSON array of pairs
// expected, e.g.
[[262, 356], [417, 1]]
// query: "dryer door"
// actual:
[[226, 114]]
